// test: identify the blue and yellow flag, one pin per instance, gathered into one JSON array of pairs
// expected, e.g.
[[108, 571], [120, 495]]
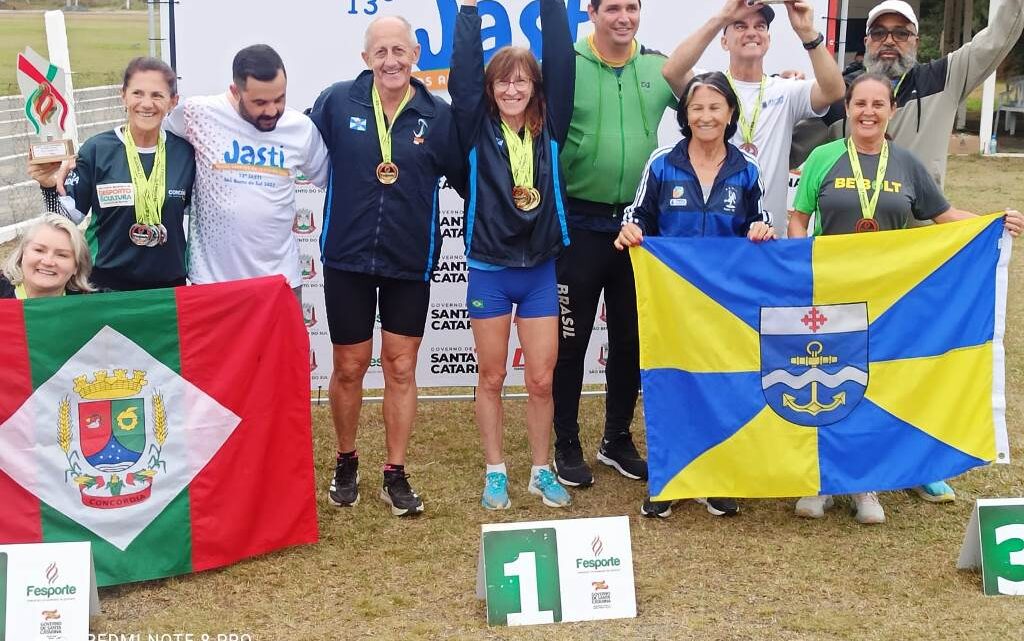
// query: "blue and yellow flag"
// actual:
[[829, 365]]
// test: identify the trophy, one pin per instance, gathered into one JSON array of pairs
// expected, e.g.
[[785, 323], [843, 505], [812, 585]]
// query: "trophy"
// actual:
[[46, 106]]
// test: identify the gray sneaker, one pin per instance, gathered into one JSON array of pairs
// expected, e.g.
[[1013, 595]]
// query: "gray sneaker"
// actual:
[[813, 507], [867, 509]]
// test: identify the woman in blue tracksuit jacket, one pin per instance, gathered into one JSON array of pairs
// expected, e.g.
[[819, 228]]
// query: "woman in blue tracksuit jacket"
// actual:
[[703, 186], [511, 121]]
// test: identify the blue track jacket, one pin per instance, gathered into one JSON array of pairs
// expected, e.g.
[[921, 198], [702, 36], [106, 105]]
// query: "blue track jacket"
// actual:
[[670, 202]]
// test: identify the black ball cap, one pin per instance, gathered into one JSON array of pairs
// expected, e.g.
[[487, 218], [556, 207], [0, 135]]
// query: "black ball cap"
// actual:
[[768, 13]]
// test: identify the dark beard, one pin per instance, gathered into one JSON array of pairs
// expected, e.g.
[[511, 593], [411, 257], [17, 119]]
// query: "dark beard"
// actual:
[[263, 124], [890, 68]]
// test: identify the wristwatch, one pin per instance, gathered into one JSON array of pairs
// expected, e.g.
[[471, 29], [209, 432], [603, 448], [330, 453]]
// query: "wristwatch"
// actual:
[[814, 44]]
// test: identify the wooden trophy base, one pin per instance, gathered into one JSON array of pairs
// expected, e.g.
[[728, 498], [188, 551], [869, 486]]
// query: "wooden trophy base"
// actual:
[[50, 151]]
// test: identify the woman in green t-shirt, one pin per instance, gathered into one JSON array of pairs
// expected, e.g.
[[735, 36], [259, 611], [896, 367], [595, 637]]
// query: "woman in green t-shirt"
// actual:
[[836, 187]]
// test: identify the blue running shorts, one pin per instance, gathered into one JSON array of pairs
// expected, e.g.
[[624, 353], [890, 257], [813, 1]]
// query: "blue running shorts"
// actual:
[[533, 290]]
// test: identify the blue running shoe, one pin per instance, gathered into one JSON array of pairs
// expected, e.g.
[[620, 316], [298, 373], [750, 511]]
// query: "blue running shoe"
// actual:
[[549, 489], [937, 492], [496, 492]]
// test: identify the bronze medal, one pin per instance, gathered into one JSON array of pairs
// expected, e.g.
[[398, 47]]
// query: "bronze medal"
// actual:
[[750, 148], [866, 225], [387, 173], [141, 235]]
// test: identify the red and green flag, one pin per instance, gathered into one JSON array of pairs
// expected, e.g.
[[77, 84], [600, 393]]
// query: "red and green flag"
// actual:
[[170, 428]]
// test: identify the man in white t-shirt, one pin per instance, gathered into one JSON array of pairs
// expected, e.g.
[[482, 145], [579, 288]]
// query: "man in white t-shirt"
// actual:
[[249, 147], [769, 106]]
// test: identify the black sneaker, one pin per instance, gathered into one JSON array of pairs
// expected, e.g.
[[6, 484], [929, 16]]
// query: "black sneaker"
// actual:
[[397, 493], [344, 490], [570, 467], [622, 455], [721, 507], [659, 509]]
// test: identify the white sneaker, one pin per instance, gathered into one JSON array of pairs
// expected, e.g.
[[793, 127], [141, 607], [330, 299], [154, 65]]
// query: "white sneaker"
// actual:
[[868, 511], [813, 507]]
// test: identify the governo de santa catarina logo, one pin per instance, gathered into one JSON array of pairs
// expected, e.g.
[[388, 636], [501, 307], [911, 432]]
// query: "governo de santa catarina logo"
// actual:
[[118, 452]]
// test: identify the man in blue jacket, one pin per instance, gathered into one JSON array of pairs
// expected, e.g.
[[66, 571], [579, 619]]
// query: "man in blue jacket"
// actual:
[[389, 141]]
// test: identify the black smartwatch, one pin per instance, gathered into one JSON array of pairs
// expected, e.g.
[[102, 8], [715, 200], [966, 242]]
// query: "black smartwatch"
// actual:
[[814, 44]]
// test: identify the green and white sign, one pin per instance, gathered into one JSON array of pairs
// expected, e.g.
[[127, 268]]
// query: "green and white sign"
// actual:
[[47, 591], [553, 571], [995, 542]]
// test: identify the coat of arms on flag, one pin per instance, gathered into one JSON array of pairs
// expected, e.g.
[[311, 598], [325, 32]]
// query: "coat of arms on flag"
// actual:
[[141, 421], [830, 365], [814, 361]]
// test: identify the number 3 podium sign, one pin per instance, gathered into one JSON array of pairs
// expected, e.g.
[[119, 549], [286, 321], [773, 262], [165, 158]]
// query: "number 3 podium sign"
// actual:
[[995, 542], [553, 571]]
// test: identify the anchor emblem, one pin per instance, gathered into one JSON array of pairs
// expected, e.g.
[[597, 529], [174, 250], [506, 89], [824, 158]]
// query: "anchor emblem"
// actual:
[[814, 359], [837, 375]]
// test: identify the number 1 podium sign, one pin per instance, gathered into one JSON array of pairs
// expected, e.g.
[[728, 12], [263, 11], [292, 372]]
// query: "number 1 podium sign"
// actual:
[[995, 542], [556, 571]]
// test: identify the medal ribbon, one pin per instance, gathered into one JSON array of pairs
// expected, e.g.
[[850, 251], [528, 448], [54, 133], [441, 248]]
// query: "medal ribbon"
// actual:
[[149, 192], [747, 126], [520, 155], [896, 89], [383, 130], [606, 61], [868, 207]]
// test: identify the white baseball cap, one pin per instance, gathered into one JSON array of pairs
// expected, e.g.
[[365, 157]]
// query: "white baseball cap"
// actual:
[[893, 6]]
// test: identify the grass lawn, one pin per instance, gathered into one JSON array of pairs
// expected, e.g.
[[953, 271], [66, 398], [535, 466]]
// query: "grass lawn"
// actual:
[[762, 575], [101, 44]]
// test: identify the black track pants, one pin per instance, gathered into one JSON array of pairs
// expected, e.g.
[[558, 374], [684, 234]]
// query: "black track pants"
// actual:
[[591, 263]]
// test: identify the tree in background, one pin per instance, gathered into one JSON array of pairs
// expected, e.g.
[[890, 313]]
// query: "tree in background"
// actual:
[[931, 18]]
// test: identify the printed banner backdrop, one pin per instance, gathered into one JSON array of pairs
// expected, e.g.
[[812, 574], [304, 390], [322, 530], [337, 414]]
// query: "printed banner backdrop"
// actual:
[[321, 43], [152, 426], [831, 365]]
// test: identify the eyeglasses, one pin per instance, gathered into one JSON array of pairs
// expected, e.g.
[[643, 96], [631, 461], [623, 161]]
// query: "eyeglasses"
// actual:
[[879, 34], [522, 84]]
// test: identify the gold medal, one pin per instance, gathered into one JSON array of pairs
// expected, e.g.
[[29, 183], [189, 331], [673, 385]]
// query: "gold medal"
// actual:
[[525, 198], [866, 225], [387, 170], [387, 173]]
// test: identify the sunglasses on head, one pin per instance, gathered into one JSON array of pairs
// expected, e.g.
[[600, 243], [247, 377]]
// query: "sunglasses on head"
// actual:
[[899, 34]]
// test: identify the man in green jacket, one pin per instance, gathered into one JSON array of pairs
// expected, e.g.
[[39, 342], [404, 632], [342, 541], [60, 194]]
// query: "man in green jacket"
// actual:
[[620, 99]]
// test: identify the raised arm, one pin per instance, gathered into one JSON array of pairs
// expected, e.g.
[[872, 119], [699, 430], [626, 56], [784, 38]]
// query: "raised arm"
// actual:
[[558, 66], [979, 58], [678, 68], [466, 78], [828, 79]]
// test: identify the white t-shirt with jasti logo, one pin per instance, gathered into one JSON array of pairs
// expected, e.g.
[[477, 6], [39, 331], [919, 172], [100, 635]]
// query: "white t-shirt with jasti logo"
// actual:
[[243, 202]]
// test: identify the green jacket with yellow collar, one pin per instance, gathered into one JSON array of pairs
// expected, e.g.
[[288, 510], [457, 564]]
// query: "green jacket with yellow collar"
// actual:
[[614, 126]]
